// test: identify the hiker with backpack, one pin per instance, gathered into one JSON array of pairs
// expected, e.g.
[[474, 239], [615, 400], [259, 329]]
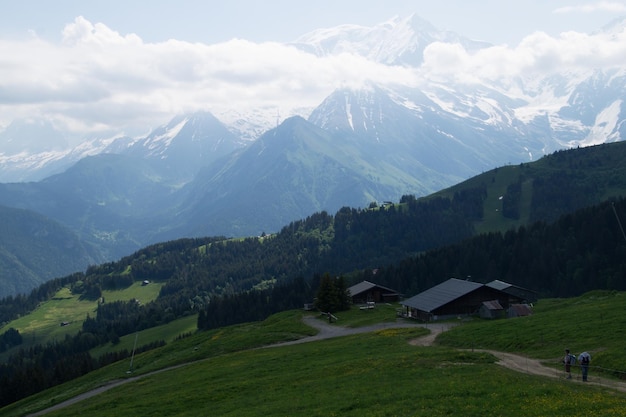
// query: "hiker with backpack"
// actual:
[[568, 361], [584, 359]]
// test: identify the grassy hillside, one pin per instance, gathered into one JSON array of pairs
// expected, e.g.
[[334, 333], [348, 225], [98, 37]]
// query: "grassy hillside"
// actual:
[[375, 374], [35, 248], [543, 190], [166, 332], [43, 325], [593, 322]]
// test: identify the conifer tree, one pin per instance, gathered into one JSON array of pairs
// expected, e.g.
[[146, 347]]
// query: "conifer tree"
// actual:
[[332, 295]]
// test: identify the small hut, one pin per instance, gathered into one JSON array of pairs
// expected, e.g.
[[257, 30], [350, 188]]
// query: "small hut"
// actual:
[[491, 310], [519, 310], [366, 291]]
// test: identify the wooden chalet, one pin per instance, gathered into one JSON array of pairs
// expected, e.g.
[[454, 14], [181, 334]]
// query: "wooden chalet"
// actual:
[[366, 291], [454, 298]]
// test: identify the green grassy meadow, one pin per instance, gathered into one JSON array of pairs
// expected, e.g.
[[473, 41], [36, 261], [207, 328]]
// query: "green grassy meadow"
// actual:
[[383, 313], [371, 374], [43, 325], [594, 322], [496, 183], [166, 332]]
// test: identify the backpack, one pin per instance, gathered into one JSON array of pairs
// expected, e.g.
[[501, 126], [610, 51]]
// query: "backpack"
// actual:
[[572, 359]]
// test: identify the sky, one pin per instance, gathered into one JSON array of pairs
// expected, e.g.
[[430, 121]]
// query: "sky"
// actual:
[[96, 67]]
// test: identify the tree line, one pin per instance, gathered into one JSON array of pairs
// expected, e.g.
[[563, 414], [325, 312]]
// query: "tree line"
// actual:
[[580, 252], [39, 367]]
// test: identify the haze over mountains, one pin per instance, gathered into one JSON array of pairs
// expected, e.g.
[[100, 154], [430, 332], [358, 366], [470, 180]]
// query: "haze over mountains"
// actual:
[[242, 174]]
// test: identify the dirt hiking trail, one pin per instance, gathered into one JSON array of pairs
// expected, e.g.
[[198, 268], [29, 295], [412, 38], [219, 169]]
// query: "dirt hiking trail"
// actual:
[[512, 361]]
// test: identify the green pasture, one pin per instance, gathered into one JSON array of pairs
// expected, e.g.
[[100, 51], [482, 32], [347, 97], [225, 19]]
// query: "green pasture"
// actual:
[[492, 212], [375, 374], [355, 317], [594, 322], [43, 325], [496, 183], [222, 371], [166, 332], [202, 345]]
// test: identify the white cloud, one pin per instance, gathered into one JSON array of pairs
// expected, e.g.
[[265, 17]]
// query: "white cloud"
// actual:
[[536, 54], [97, 80]]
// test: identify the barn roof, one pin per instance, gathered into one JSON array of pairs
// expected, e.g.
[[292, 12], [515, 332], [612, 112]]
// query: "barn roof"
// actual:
[[498, 285], [513, 290], [366, 286], [441, 294]]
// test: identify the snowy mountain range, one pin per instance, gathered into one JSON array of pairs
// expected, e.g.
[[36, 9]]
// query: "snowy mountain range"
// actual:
[[542, 113], [398, 41], [241, 174]]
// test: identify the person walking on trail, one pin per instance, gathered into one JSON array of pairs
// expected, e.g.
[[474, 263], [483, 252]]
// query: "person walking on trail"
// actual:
[[584, 359], [567, 361]]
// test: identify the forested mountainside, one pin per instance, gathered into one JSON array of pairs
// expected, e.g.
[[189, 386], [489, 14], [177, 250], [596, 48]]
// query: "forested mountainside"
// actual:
[[409, 246], [560, 183], [35, 249], [498, 200], [584, 246], [228, 282], [577, 253]]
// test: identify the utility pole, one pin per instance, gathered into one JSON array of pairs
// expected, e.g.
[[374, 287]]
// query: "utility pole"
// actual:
[[132, 357], [618, 221]]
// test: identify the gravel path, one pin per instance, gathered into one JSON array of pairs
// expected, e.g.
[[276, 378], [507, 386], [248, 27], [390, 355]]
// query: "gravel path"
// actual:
[[535, 367], [512, 361], [326, 331]]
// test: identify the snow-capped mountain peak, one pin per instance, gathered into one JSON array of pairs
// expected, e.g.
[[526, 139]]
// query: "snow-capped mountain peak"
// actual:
[[397, 41], [162, 137]]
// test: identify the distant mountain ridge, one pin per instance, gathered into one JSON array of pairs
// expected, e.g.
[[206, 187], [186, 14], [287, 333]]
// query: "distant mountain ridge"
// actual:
[[34, 249], [287, 173], [116, 221], [187, 144], [179, 148], [199, 176]]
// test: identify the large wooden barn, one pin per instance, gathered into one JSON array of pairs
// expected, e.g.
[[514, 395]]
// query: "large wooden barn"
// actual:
[[456, 297]]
